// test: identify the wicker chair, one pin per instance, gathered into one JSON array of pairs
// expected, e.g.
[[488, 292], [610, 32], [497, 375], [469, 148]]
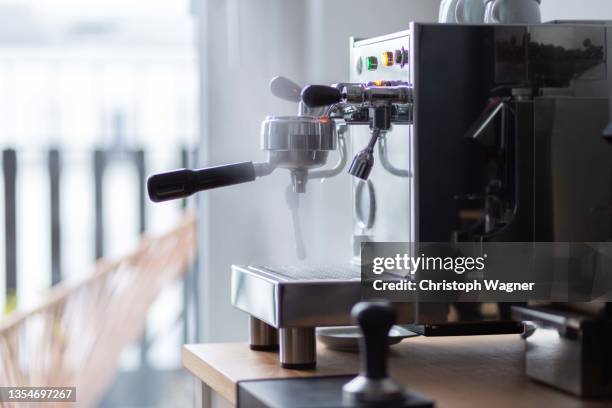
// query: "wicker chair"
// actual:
[[75, 338]]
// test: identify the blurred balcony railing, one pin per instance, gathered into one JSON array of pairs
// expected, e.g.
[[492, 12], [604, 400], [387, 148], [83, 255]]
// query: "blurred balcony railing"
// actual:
[[133, 164], [101, 159]]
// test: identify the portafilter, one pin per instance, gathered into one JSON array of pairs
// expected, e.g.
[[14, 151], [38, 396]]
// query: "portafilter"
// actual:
[[296, 143]]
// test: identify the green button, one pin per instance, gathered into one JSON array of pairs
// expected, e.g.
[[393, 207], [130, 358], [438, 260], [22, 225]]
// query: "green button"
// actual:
[[371, 63]]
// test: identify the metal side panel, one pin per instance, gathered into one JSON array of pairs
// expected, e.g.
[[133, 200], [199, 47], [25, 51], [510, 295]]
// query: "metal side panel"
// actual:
[[572, 180], [316, 304], [254, 294]]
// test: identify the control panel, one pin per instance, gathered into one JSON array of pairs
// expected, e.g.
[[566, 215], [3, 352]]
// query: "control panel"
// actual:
[[398, 57], [382, 61]]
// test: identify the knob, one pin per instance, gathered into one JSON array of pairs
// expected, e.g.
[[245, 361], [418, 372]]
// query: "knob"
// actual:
[[371, 63], [372, 385], [315, 96], [387, 58]]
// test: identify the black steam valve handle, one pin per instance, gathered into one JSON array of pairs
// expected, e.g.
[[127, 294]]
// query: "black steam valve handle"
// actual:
[[317, 96], [380, 122], [372, 385], [182, 183]]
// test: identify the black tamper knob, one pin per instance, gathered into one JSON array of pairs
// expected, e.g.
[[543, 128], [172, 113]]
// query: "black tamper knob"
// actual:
[[375, 320], [372, 385]]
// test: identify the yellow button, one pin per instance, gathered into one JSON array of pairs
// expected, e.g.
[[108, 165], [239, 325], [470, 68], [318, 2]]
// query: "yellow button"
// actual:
[[387, 58]]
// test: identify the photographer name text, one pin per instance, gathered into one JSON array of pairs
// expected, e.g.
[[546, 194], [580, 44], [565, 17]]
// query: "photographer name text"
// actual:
[[471, 286]]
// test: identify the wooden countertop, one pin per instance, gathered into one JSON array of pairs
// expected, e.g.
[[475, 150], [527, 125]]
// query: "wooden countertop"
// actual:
[[477, 371]]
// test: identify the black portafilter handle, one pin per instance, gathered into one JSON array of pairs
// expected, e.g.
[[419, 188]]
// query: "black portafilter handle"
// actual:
[[182, 183], [375, 318], [316, 96]]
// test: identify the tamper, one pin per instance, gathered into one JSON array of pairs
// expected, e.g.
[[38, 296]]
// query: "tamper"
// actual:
[[373, 386]]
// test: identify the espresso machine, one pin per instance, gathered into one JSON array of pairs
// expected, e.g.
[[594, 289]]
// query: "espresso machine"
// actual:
[[457, 133]]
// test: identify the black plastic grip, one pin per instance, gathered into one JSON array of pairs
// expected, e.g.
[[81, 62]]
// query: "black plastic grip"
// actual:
[[315, 96], [375, 318], [182, 183]]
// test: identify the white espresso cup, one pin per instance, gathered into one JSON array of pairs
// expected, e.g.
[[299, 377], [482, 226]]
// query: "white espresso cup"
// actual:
[[512, 12], [470, 11]]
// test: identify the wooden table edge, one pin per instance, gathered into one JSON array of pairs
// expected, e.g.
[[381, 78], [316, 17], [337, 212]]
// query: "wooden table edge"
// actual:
[[215, 378]]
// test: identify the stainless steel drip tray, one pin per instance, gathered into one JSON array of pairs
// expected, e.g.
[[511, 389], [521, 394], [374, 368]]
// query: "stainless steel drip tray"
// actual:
[[297, 296]]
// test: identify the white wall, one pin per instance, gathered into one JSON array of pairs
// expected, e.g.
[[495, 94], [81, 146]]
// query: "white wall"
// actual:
[[576, 9], [332, 23], [245, 43]]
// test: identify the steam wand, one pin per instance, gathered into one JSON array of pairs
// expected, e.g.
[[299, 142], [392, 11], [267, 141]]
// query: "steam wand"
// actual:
[[380, 122]]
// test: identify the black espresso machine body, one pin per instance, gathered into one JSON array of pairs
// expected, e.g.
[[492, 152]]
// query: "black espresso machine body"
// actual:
[[507, 143]]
